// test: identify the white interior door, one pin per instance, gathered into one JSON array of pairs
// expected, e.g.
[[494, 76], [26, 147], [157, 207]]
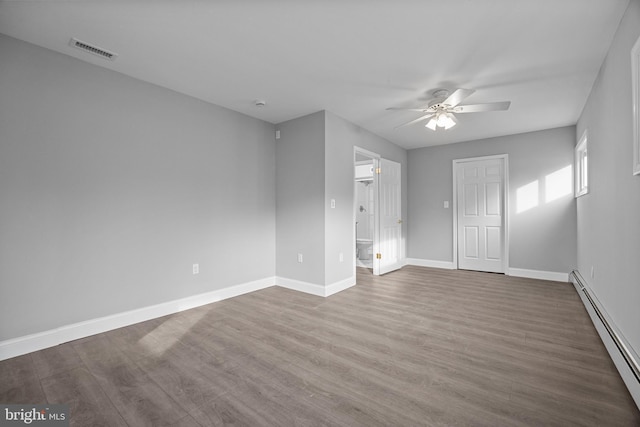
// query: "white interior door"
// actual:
[[389, 255], [480, 214]]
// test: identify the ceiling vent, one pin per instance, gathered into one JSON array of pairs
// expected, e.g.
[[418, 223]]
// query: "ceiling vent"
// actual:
[[98, 51]]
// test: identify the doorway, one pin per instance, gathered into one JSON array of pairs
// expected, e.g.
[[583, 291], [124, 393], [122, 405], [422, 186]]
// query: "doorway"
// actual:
[[366, 208], [480, 238], [377, 213]]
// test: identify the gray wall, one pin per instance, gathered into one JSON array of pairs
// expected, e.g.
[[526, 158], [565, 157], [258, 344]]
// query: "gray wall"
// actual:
[[609, 216], [315, 165], [542, 238], [112, 188], [300, 198], [341, 138]]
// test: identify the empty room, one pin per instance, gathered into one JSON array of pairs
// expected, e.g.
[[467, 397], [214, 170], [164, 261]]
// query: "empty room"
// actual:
[[355, 213]]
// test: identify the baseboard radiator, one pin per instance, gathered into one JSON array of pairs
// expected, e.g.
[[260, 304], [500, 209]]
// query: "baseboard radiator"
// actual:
[[626, 353]]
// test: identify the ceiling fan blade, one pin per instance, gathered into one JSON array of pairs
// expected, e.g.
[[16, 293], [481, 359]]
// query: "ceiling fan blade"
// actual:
[[420, 110], [456, 97], [419, 119], [479, 108]]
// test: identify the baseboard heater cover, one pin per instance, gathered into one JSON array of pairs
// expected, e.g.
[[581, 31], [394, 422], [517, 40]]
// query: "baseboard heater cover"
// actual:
[[625, 352]]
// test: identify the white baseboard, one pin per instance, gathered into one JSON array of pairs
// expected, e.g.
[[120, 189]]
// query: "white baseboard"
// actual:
[[336, 287], [300, 286], [518, 272], [623, 368], [315, 289], [430, 263], [38, 341], [539, 274]]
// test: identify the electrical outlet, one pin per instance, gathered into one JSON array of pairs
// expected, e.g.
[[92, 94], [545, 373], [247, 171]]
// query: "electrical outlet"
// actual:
[[196, 268], [333, 203], [446, 204], [341, 257], [299, 257]]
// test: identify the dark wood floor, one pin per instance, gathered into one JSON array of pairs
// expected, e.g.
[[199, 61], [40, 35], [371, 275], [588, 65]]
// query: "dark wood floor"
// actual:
[[415, 347]]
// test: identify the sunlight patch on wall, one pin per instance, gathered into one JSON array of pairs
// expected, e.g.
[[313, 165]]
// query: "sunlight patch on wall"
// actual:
[[558, 184], [527, 197]]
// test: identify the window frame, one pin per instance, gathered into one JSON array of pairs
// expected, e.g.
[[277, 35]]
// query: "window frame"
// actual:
[[581, 166], [635, 89]]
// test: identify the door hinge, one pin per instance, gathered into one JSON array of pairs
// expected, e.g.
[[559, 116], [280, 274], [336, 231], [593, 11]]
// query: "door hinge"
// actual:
[[378, 170], [378, 256]]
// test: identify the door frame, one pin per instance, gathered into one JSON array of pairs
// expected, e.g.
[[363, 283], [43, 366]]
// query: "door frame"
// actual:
[[386, 164], [376, 227], [505, 206]]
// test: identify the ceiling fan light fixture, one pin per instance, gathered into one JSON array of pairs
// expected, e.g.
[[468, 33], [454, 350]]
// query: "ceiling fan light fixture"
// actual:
[[450, 121], [440, 110], [444, 120], [441, 120]]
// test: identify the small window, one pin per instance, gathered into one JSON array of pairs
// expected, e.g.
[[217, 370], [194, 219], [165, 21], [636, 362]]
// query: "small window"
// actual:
[[635, 95], [582, 166]]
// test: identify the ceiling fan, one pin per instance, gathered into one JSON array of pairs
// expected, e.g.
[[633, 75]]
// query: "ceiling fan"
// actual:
[[442, 108]]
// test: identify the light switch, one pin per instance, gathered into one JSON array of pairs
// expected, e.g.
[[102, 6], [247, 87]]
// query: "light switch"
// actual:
[[446, 204]]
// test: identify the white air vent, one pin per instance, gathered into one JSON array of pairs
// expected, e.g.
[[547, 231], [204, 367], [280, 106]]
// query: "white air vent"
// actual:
[[98, 51]]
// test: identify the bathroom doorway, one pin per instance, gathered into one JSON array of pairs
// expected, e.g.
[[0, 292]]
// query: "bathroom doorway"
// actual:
[[365, 207], [377, 214]]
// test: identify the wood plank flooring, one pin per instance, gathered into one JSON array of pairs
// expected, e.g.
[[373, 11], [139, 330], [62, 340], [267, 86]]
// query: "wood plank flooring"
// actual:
[[415, 347]]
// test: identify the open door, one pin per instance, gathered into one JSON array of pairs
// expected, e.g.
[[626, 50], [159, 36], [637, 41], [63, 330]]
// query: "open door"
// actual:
[[388, 255]]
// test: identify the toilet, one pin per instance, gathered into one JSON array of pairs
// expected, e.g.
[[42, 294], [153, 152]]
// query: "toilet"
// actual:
[[364, 248]]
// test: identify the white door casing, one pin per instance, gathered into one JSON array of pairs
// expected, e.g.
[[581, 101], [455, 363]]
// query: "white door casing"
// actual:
[[390, 217], [376, 216], [480, 214], [375, 158]]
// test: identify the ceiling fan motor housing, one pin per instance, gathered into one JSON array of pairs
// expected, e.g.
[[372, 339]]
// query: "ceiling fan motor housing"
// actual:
[[441, 93]]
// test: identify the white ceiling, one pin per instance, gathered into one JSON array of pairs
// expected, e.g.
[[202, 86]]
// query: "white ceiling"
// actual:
[[354, 58]]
